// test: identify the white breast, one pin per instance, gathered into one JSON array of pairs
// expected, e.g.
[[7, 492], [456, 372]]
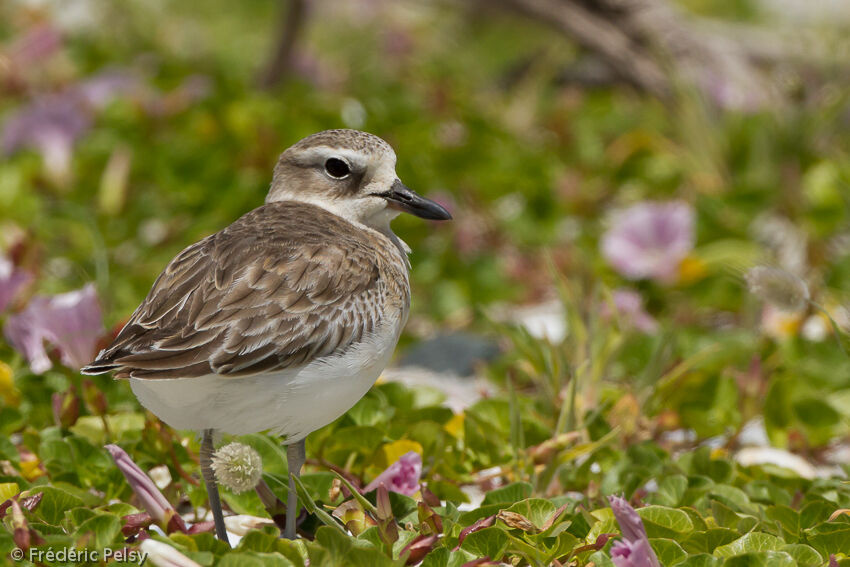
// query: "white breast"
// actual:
[[292, 402]]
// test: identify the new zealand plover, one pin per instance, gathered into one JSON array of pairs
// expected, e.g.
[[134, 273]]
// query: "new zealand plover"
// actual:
[[284, 319]]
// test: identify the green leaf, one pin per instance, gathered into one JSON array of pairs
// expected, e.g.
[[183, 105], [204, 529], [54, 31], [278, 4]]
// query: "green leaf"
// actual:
[[508, 494], [761, 559], [701, 560], [490, 542], [830, 537], [105, 528], [671, 491], [754, 541], [787, 519], [310, 505], [334, 547], [804, 555], [709, 540], [663, 522], [816, 412], [668, 551], [536, 510], [54, 503], [254, 559]]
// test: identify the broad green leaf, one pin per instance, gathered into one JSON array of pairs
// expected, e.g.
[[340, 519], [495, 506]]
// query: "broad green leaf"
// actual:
[[121, 425], [831, 537], [733, 497], [663, 522], [671, 491], [334, 547], [668, 551], [804, 555], [253, 559], [490, 542], [787, 519], [754, 541], [701, 560], [508, 494], [761, 559], [707, 541], [536, 510], [54, 503], [105, 528]]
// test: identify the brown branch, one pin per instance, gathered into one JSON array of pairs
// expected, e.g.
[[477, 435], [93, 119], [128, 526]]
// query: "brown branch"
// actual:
[[657, 48], [289, 27]]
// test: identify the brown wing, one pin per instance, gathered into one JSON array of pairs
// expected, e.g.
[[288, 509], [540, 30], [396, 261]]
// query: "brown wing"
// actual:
[[284, 284]]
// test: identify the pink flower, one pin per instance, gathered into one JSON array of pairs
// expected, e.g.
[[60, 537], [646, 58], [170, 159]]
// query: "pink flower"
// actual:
[[633, 554], [402, 476], [11, 281], [634, 549], [629, 305], [649, 240], [35, 45], [100, 89], [70, 321], [148, 494], [51, 125]]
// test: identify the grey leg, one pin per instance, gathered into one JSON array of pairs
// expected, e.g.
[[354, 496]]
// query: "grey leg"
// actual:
[[296, 454], [206, 454]]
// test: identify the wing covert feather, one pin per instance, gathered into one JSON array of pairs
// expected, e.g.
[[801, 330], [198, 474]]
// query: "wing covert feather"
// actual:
[[284, 284]]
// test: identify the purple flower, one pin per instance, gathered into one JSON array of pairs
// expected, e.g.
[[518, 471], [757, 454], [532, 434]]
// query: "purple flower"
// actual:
[[649, 240], [634, 549], [149, 495], [629, 305], [70, 321], [99, 90], [633, 554], [11, 281], [50, 125], [402, 476], [36, 44]]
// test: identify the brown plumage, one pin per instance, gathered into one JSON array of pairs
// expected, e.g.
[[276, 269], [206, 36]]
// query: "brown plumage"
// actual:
[[286, 283]]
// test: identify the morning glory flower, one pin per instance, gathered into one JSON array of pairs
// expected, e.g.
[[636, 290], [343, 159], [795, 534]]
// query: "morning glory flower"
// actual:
[[50, 125], [71, 322], [629, 306], [35, 45], [402, 476], [649, 240], [102, 88], [149, 495], [11, 281], [634, 549]]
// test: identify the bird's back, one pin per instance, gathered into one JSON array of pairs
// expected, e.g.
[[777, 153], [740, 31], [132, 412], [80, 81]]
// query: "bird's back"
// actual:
[[286, 284]]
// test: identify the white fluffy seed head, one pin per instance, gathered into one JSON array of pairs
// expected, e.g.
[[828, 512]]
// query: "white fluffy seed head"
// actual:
[[237, 467], [778, 287]]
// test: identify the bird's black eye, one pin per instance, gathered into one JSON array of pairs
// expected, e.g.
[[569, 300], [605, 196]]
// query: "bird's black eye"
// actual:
[[337, 168]]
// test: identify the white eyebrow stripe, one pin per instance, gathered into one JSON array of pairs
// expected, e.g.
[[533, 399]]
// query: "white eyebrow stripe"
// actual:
[[318, 154]]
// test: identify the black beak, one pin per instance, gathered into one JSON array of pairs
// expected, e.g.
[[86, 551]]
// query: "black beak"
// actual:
[[403, 199]]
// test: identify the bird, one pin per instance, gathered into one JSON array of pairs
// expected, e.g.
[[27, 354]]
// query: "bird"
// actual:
[[283, 320]]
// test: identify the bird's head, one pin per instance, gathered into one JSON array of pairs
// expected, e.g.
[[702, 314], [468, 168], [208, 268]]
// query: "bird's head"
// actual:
[[351, 174]]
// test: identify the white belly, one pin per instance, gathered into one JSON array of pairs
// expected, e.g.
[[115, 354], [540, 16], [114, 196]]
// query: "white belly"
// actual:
[[292, 402]]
